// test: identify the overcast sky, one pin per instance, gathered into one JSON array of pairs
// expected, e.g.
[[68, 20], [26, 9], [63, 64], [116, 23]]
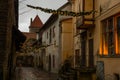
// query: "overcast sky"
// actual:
[[26, 13]]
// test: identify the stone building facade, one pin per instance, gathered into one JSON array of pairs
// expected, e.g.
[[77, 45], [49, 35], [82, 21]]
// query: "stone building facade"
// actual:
[[103, 28], [55, 34], [107, 39], [10, 37]]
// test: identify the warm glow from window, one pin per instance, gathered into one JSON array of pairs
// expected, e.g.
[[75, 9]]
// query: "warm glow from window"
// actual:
[[117, 34], [105, 46], [110, 37], [105, 50], [100, 50], [116, 43]]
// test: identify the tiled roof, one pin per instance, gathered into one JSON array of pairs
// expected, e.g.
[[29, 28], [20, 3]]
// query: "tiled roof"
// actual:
[[36, 23]]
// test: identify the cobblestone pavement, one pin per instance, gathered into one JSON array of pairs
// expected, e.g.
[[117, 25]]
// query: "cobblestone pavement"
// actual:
[[28, 73]]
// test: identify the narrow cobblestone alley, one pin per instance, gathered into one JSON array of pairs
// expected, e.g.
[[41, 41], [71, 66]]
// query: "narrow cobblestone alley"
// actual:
[[29, 73]]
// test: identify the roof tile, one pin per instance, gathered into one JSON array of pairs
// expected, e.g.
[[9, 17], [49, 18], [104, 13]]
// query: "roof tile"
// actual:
[[36, 23]]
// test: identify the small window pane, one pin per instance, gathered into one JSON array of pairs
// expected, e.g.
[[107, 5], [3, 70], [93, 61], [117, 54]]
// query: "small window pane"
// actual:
[[118, 31]]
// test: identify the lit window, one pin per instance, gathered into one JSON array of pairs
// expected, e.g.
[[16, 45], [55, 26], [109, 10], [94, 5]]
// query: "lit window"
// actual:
[[118, 34], [110, 37]]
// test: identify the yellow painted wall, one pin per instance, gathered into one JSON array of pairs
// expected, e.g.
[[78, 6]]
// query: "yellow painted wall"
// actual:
[[67, 39], [109, 8], [88, 7], [111, 66]]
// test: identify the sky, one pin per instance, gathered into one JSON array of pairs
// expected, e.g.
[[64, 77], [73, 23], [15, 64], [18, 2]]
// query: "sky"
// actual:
[[26, 13]]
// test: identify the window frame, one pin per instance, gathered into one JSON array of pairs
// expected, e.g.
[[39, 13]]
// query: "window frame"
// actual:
[[115, 34], [118, 32], [53, 31]]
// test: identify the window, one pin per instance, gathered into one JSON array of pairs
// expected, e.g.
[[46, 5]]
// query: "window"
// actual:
[[110, 36], [50, 36], [118, 34], [47, 35], [91, 56], [53, 31], [53, 61], [83, 38]]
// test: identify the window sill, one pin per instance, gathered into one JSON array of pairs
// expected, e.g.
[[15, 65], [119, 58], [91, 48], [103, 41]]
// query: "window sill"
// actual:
[[109, 56]]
